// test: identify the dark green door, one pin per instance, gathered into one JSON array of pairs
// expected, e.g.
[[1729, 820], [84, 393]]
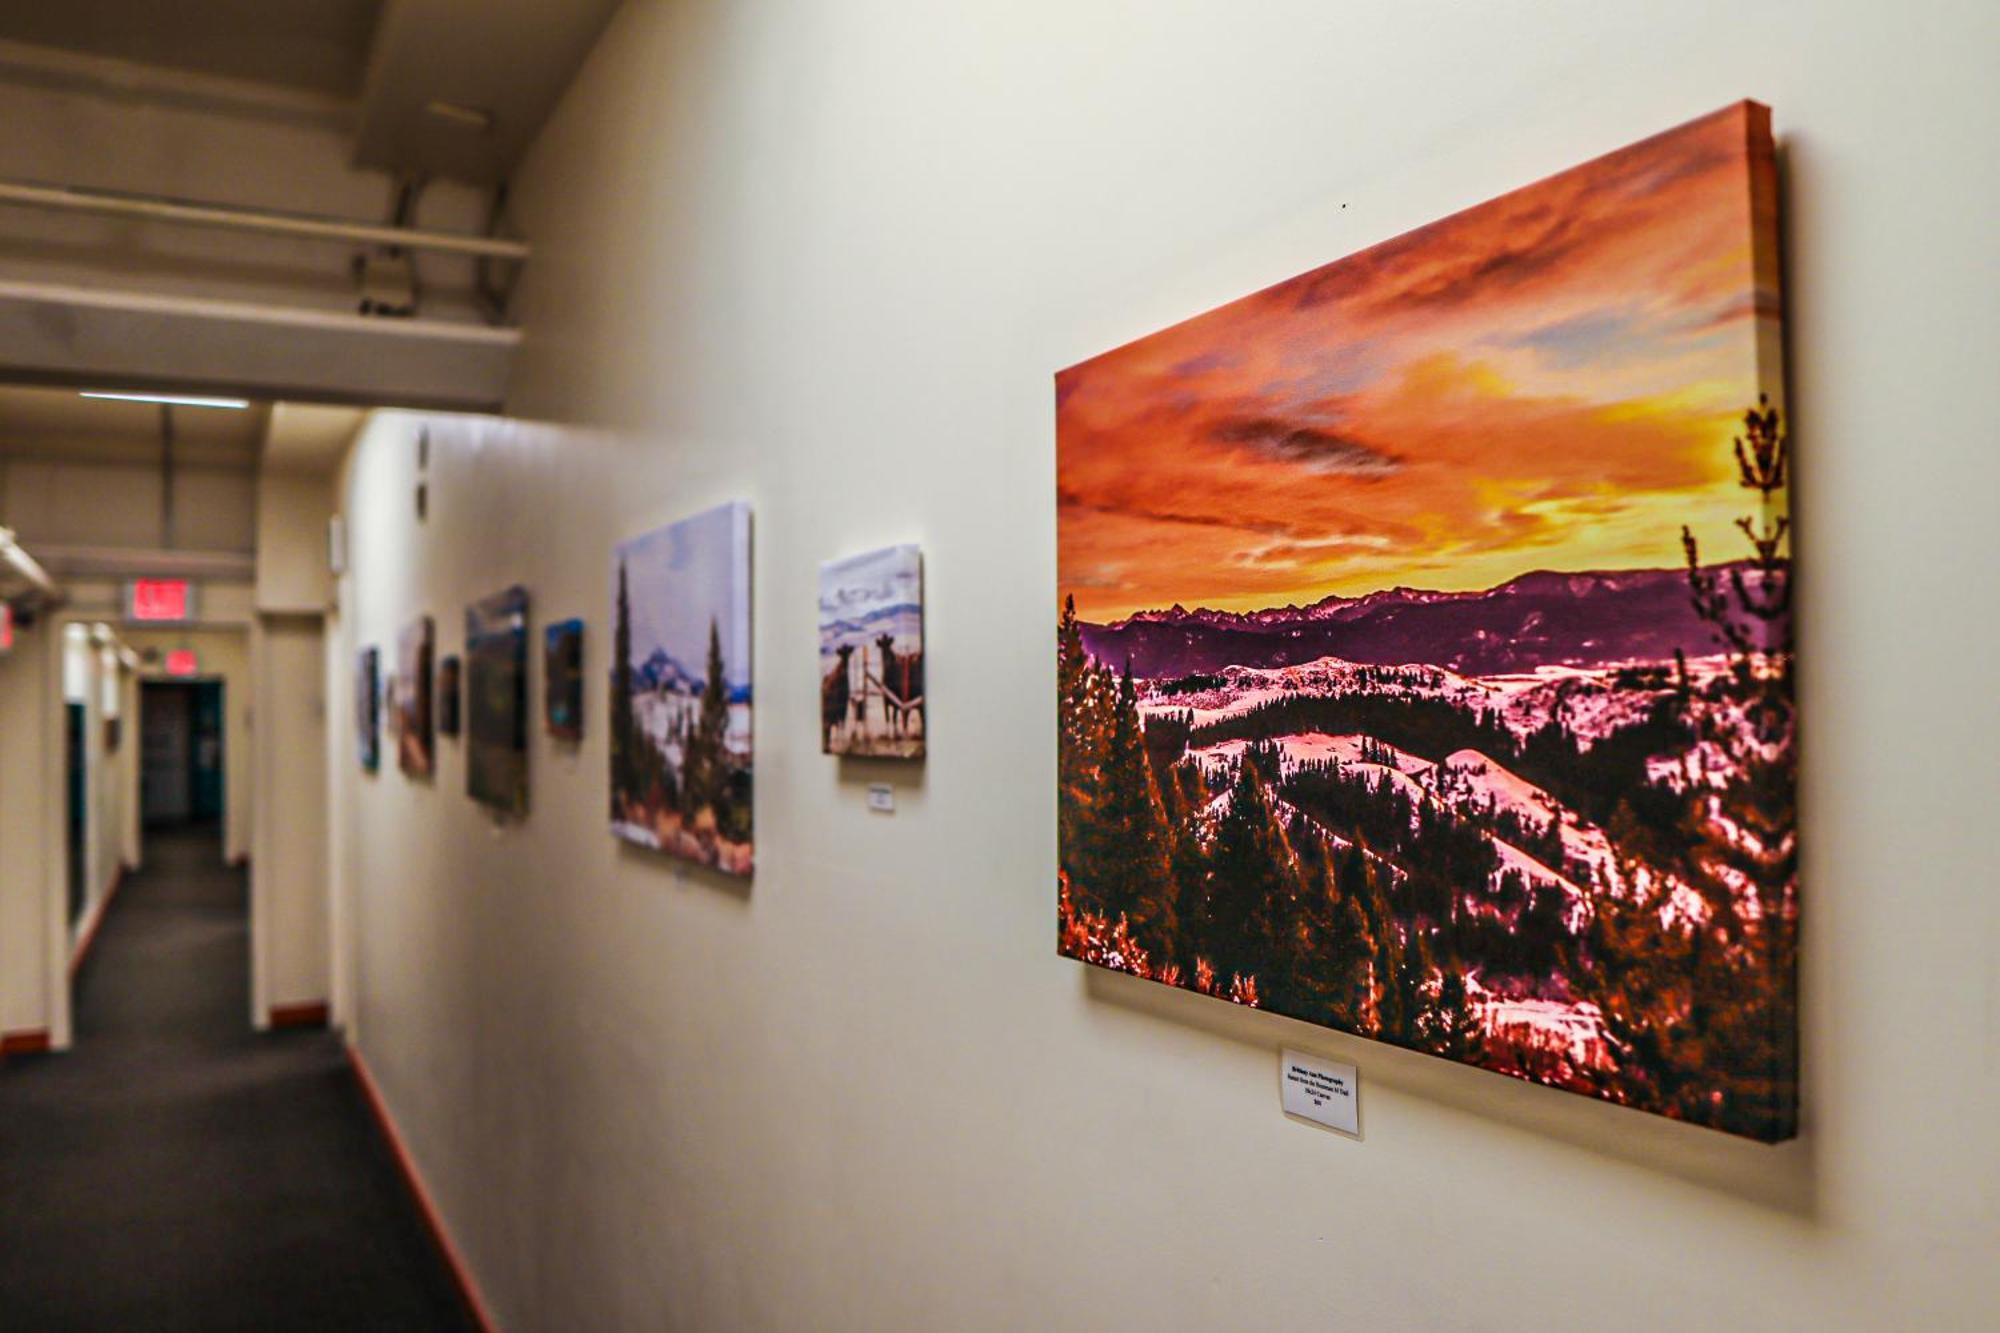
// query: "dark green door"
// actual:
[[206, 752]]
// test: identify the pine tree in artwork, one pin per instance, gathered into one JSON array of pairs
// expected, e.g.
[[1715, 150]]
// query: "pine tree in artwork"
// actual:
[[1449, 1025], [1353, 967], [1699, 1006], [1253, 878], [1137, 870], [1082, 743], [704, 779]]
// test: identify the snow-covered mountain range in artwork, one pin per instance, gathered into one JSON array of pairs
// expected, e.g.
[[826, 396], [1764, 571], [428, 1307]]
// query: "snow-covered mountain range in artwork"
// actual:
[[1541, 618]]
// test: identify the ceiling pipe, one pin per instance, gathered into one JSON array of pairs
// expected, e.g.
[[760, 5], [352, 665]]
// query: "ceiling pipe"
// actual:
[[24, 564], [69, 199]]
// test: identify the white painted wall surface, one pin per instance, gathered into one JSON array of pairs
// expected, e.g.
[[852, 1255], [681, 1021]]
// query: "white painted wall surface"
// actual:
[[826, 257], [292, 511], [288, 865], [28, 682]]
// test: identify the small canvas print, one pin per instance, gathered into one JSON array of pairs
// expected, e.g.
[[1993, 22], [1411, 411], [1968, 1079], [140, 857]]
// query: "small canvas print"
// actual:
[[496, 701], [680, 690], [415, 728], [448, 689], [871, 655], [1425, 661], [368, 709], [562, 680]]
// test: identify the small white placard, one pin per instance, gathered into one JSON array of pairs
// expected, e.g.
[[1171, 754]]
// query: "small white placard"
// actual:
[[1321, 1090], [882, 798]]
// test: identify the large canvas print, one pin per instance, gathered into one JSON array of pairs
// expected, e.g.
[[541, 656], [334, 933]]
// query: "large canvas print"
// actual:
[[415, 731], [871, 655], [680, 690], [1426, 662], [496, 701]]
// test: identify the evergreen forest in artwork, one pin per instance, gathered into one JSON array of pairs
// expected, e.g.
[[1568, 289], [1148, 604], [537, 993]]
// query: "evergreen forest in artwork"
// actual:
[[680, 694], [1425, 662]]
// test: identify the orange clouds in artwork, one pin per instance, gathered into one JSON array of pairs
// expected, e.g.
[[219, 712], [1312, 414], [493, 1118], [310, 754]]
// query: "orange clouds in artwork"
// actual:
[[1545, 381]]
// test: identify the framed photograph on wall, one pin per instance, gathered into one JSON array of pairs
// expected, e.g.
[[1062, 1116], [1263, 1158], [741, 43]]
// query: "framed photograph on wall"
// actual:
[[562, 680], [871, 655], [496, 701], [1425, 666], [680, 696], [416, 728]]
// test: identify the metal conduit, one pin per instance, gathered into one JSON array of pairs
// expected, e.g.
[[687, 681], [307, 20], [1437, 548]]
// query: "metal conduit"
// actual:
[[24, 564], [68, 199]]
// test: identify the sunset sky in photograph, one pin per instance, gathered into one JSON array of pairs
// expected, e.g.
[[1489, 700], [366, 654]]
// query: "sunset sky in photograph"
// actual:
[[1547, 381]]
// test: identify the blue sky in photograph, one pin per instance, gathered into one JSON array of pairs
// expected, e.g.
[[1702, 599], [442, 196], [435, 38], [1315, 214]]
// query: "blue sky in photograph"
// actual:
[[860, 585], [685, 576]]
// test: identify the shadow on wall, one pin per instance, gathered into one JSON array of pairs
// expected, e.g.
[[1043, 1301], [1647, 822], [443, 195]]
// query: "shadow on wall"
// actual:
[[1783, 1177]]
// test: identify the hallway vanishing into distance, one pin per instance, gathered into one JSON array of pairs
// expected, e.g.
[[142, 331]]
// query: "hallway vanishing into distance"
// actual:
[[177, 1170]]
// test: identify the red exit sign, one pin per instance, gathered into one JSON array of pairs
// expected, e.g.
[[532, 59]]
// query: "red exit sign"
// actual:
[[183, 662], [159, 600]]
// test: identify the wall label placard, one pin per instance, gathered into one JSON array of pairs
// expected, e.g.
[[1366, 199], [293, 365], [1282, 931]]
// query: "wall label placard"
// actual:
[[881, 798], [1323, 1091]]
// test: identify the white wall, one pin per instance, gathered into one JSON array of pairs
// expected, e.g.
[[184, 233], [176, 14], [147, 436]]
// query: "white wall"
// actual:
[[292, 513], [289, 874], [28, 682], [108, 778], [111, 772], [288, 867], [826, 258]]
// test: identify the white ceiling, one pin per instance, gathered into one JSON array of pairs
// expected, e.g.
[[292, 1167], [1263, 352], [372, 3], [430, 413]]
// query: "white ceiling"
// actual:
[[317, 45], [509, 59], [60, 425], [393, 62]]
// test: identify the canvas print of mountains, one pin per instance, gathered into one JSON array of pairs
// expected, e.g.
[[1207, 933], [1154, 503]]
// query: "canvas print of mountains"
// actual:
[[1425, 665], [415, 729], [680, 692], [496, 701], [871, 655]]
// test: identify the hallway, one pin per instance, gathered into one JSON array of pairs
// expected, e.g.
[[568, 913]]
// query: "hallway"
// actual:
[[178, 1171]]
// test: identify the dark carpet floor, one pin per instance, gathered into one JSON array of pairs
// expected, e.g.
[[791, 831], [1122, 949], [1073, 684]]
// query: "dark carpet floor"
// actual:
[[178, 1171]]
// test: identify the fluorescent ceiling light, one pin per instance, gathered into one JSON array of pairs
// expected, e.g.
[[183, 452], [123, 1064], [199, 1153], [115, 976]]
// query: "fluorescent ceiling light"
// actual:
[[173, 399]]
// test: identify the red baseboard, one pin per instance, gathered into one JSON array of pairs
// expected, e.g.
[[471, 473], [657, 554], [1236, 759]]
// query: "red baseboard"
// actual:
[[460, 1274], [298, 1015], [27, 1041], [96, 922]]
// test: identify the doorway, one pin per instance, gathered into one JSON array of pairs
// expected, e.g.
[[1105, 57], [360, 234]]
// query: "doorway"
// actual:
[[181, 779], [76, 805]]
